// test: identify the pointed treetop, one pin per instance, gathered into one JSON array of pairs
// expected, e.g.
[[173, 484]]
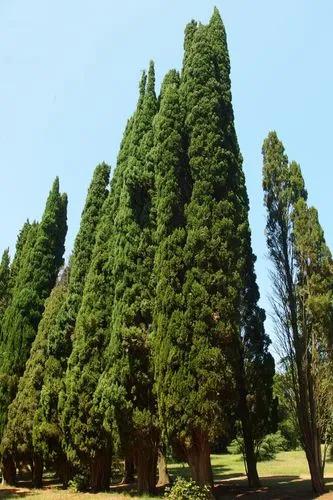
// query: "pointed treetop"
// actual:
[[171, 78], [55, 186], [142, 85], [150, 89], [216, 16]]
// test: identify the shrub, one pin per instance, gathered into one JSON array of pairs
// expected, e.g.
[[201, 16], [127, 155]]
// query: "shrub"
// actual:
[[78, 483], [266, 449], [236, 447], [187, 490], [270, 446]]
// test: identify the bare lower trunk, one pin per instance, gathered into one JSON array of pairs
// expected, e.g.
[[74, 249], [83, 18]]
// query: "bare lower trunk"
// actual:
[[8, 470], [250, 456], [37, 471], [163, 475], [129, 471], [198, 457], [308, 421], [100, 471], [64, 470], [146, 462]]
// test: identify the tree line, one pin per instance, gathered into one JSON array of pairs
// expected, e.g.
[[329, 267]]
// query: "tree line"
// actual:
[[152, 336]]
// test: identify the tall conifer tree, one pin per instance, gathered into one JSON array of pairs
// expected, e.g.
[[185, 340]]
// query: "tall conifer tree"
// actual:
[[127, 382], [17, 438], [4, 282], [39, 264], [47, 431], [302, 286], [208, 333], [81, 419]]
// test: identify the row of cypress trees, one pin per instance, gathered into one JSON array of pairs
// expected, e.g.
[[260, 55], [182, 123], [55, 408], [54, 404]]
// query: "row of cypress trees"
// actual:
[[153, 334]]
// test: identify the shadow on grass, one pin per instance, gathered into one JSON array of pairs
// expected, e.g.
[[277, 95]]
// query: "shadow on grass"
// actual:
[[14, 493], [273, 487]]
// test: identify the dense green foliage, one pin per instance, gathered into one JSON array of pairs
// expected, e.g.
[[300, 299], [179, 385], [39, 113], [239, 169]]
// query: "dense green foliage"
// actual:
[[188, 490], [153, 339], [47, 429], [4, 282], [210, 337], [17, 438], [81, 419], [37, 268], [125, 389]]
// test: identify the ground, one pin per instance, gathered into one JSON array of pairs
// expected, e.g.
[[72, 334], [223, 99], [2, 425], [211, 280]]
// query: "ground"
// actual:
[[283, 478]]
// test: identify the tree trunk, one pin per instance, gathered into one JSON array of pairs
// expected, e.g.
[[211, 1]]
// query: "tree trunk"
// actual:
[[146, 462], [163, 475], [64, 470], [129, 471], [37, 471], [100, 471], [198, 457], [250, 456], [307, 415], [8, 470]]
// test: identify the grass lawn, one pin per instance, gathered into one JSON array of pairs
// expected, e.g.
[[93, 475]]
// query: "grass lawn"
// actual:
[[285, 477]]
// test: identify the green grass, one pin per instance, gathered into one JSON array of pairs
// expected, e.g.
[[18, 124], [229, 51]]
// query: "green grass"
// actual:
[[285, 476]]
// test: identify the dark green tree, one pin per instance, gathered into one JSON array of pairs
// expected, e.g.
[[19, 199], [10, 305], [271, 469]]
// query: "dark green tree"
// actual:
[[86, 442], [211, 327], [47, 430], [17, 438], [38, 268], [4, 282], [23, 244], [125, 389], [302, 286]]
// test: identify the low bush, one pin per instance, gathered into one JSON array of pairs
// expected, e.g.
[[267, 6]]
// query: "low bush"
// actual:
[[78, 483], [187, 490]]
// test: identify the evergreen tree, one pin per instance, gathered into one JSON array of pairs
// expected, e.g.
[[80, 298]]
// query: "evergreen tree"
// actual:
[[85, 441], [25, 240], [302, 285], [4, 282], [126, 384], [211, 321], [27, 234], [17, 438], [173, 188], [37, 272], [47, 431]]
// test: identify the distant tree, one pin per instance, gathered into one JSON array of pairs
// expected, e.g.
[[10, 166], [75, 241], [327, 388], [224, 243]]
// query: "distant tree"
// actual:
[[47, 433], [303, 285], [17, 438], [287, 411], [39, 264], [125, 389]]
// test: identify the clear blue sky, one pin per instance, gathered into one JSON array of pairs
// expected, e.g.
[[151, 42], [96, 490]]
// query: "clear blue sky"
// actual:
[[69, 76]]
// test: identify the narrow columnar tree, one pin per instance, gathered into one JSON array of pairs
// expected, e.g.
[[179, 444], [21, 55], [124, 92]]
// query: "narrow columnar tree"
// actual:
[[173, 188], [4, 282], [47, 435], [25, 240], [126, 384], [302, 284], [86, 441], [17, 438], [212, 323], [40, 261]]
